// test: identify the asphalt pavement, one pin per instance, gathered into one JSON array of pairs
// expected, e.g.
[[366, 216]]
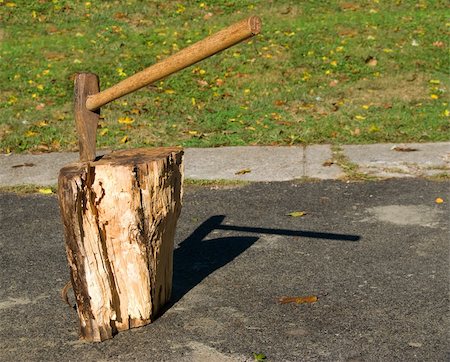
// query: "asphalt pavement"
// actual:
[[375, 254]]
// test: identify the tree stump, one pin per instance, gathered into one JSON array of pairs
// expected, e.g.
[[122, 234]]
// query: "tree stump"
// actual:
[[119, 214]]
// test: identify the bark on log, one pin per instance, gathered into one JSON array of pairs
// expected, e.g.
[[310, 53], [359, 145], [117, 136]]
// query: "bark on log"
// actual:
[[119, 216]]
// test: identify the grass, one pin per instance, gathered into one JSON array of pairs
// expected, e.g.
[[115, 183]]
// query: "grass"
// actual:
[[350, 169], [216, 184], [321, 72], [30, 189]]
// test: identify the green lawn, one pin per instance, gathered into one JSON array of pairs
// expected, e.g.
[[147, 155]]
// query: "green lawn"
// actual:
[[321, 72]]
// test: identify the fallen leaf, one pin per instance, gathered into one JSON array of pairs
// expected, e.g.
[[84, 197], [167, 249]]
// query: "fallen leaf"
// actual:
[[26, 164], [333, 83], [243, 172], [439, 200], [54, 56], [279, 103], [30, 133], [259, 356], [202, 83], [125, 120], [349, 7], [284, 123], [374, 128], [328, 163], [371, 61], [45, 191], [124, 139], [335, 106], [415, 344], [438, 44], [43, 148], [355, 132], [120, 15], [403, 149], [348, 32], [298, 300], [296, 214], [52, 29], [207, 16]]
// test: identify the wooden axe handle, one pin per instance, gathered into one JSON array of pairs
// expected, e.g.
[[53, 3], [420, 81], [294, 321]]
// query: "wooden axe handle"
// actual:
[[184, 58]]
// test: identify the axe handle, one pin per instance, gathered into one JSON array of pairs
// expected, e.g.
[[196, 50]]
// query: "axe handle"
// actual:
[[184, 58]]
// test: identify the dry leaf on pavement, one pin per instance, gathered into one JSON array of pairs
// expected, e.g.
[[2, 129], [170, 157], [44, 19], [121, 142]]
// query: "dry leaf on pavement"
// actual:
[[296, 214], [403, 149], [298, 300], [243, 172]]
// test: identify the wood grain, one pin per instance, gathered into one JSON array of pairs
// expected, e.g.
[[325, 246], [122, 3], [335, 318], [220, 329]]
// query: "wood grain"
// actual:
[[119, 215], [86, 121]]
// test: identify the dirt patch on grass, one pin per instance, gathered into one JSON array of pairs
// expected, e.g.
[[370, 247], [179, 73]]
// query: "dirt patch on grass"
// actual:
[[384, 90]]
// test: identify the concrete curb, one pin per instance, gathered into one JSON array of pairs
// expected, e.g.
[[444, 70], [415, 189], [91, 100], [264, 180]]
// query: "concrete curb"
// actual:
[[261, 163]]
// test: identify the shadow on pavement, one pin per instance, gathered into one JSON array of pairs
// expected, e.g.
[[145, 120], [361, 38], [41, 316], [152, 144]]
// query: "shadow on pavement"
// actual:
[[196, 258]]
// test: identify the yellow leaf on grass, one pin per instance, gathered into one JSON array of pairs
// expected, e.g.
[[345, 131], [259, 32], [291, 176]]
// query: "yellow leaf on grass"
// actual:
[[296, 214], [169, 91], [359, 117], [45, 191], [374, 128], [439, 200], [30, 134], [124, 139], [121, 72], [125, 120], [298, 300]]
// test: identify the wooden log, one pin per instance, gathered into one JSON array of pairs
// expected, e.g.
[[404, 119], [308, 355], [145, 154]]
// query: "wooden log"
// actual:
[[119, 215], [184, 58]]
